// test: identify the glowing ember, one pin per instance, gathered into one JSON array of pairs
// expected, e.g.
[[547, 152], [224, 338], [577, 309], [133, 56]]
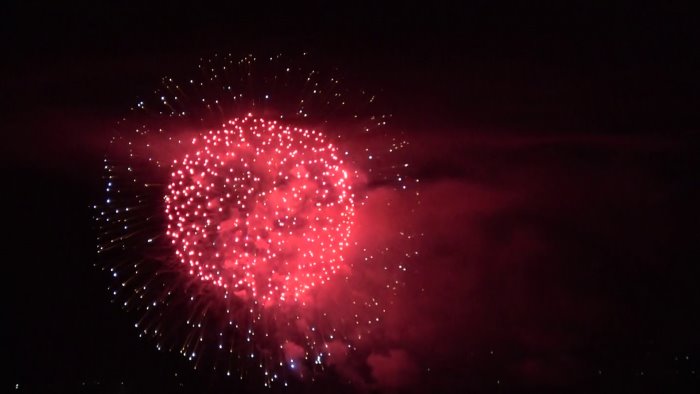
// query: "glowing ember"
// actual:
[[261, 208]]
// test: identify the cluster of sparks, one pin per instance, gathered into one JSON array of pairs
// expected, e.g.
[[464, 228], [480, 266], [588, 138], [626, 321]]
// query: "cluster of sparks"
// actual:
[[261, 209], [225, 221]]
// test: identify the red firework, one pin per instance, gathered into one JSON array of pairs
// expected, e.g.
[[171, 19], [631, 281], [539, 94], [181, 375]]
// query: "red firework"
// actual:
[[262, 209], [221, 231]]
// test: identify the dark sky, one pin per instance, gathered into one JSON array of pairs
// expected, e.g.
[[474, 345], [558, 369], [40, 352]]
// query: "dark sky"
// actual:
[[558, 146]]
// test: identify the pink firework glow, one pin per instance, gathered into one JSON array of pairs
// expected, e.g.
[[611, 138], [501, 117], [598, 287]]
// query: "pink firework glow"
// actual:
[[238, 224], [262, 209]]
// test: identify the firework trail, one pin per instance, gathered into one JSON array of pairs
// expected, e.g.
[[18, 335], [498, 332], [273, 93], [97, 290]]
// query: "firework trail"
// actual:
[[233, 217]]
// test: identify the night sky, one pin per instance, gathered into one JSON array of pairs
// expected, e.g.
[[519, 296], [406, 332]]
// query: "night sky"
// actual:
[[558, 152]]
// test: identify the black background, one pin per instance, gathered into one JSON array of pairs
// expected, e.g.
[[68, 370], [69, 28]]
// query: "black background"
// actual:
[[614, 85]]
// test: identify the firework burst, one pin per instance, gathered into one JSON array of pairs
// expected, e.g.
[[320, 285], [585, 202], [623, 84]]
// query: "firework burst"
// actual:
[[261, 209], [230, 219]]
